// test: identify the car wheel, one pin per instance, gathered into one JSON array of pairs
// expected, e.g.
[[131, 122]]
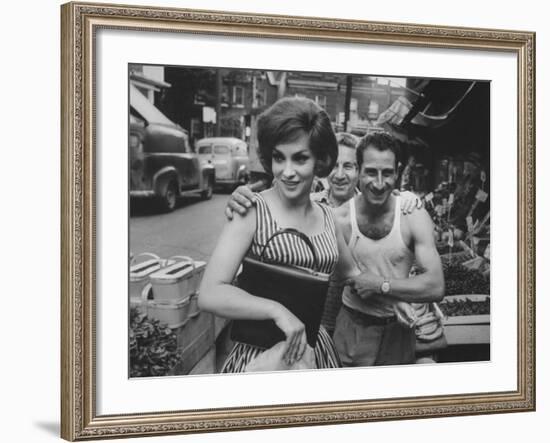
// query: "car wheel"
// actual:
[[169, 197], [206, 194]]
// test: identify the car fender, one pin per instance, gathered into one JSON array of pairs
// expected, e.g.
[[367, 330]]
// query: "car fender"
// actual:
[[207, 171], [163, 176]]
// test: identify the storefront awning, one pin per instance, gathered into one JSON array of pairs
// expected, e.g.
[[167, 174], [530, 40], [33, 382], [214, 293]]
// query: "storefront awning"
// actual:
[[146, 109]]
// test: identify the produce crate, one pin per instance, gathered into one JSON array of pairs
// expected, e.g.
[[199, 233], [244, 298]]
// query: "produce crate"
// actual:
[[219, 324], [194, 340], [207, 364], [467, 329]]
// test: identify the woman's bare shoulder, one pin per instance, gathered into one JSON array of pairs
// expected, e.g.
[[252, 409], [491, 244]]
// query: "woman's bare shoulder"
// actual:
[[242, 224]]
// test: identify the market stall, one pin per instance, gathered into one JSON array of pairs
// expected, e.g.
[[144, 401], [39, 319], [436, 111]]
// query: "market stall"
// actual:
[[169, 334], [444, 134]]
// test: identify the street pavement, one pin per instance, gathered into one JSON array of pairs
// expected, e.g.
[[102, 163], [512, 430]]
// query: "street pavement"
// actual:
[[192, 229]]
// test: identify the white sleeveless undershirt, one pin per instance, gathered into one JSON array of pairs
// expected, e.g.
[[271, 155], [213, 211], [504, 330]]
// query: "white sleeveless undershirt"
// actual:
[[388, 257]]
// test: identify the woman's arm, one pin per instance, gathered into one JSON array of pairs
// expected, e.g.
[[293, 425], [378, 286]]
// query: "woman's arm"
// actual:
[[219, 296]]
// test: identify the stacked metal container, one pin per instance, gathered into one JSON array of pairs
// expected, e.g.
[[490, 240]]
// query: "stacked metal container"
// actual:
[[174, 290]]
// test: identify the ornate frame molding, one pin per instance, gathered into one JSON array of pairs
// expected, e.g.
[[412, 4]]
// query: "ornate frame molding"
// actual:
[[79, 23]]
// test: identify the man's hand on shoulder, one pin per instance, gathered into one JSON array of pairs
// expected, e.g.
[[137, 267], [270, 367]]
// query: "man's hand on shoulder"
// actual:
[[420, 222], [410, 202], [241, 201]]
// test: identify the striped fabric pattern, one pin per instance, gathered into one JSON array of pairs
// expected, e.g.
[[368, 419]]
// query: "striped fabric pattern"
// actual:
[[290, 250], [326, 356]]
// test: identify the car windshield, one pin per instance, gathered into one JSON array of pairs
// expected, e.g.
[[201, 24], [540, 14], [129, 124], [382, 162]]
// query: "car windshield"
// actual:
[[207, 149]]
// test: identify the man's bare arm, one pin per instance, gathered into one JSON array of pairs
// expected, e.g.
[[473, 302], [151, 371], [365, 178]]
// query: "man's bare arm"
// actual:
[[430, 285]]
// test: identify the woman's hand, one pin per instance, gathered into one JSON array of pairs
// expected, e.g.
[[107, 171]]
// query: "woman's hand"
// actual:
[[241, 201], [295, 332]]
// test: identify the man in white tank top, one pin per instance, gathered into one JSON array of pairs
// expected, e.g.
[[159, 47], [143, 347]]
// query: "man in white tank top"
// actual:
[[384, 245]]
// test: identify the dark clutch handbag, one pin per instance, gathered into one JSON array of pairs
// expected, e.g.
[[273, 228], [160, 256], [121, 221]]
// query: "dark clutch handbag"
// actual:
[[302, 291]]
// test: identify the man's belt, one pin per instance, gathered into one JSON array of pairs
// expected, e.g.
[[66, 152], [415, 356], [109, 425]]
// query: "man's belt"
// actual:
[[369, 320]]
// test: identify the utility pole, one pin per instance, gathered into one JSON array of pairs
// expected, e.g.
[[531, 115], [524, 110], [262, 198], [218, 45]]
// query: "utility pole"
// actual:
[[219, 86], [281, 89], [254, 98], [349, 86]]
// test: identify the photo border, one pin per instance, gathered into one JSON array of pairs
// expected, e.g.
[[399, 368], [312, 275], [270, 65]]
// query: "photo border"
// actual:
[[80, 22]]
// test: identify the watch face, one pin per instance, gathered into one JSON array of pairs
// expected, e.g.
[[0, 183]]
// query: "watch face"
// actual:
[[385, 287]]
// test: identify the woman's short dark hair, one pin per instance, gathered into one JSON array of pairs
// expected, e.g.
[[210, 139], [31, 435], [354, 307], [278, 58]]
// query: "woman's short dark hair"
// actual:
[[382, 141], [286, 120]]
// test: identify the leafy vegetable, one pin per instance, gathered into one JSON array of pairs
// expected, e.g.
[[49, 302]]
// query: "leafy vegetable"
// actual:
[[460, 280], [452, 308], [455, 258], [153, 346]]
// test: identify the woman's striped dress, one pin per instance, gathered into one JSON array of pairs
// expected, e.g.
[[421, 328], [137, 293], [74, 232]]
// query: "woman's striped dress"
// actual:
[[289, 250]]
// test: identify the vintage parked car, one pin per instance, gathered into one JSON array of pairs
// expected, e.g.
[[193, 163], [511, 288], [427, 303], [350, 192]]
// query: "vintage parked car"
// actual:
[[229, 156], [162, 164]]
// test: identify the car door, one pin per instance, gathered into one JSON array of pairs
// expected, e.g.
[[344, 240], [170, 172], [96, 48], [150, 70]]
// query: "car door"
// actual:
[[188, 167], [204, 151]]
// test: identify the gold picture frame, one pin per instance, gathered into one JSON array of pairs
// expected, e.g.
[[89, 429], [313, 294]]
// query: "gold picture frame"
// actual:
[[80, 21]]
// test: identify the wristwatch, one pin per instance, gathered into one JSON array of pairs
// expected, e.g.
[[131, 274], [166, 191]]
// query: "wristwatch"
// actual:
[[385, 287]]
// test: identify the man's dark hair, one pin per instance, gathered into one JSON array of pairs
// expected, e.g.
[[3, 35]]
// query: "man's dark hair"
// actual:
[[382, 141], [286, 120]]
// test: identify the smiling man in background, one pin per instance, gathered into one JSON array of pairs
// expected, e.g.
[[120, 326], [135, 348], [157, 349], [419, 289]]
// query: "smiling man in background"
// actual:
[[342, 181]]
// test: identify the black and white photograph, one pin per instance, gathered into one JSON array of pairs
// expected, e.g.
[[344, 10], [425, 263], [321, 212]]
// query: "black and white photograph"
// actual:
[[293, 220], [277, 220]]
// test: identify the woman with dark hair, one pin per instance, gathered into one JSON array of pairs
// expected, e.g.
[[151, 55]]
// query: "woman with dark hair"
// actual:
[[296, 142]]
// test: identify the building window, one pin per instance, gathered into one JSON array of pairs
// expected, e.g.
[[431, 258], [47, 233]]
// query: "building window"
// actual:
[[225, 96], [195, 128], [321, 100], [238, 95], [198, 98], [373, 109], [261, 97]]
